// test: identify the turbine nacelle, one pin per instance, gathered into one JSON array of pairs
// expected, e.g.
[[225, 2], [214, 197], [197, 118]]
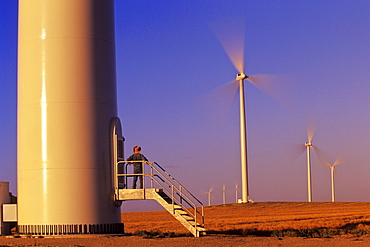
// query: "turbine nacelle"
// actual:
[[241, 76], [308, 144]]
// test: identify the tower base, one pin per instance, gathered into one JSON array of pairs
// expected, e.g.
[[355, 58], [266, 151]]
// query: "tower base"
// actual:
[[113, 228]]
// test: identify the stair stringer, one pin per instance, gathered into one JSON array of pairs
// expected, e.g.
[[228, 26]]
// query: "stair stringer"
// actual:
[[185, 219]]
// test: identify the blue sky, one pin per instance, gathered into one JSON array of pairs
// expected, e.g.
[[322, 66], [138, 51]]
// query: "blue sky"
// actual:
[[168, 58]]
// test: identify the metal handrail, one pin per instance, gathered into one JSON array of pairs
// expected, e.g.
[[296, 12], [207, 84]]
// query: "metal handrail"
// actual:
[[178, 194]]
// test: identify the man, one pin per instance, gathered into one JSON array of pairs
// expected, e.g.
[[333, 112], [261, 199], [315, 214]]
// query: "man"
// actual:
[[138, 166]]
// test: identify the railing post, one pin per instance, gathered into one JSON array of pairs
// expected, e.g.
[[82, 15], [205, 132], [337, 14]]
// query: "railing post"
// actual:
[[173, 199], [142, 174], [125, 172], [181, 195], [195, 219], [151, 177], [202, 215], [116, 181]]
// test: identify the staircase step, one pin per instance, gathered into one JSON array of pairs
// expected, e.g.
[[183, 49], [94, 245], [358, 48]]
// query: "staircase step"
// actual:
[[177, 211], [187, 217], [166, 191]]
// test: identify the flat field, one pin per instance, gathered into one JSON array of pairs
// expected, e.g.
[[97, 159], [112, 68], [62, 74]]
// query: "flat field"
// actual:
[[258, 224], [264, 219]]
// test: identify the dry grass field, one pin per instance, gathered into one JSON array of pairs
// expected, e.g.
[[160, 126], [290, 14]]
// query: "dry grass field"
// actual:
[[266, 219], [267, 224]]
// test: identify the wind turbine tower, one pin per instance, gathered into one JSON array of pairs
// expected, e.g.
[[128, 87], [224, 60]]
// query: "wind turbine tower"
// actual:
[[332, 183], [332, 173], [338, 161], [309, 185], [209, 196], [67, 117], [236, 193], [243, 138], [224, 194]]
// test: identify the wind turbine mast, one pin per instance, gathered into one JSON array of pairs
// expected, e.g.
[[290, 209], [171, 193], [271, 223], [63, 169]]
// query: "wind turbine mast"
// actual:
[[309, 186], [231, 34], [243, 139], [338, 161], [223, 194], [236, 193], [209, 196], [332, 183]]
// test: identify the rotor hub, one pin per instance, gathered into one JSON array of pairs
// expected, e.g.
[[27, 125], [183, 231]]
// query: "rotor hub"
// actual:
[[308, 144], [241, 76]]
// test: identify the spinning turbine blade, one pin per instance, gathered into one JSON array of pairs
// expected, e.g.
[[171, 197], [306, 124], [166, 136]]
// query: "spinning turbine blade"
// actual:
[[215, 106], [310, 134], [339, 160], [231, 34], [311, 130], [281, 88], [210, 190], [323, 156], [295, 151]]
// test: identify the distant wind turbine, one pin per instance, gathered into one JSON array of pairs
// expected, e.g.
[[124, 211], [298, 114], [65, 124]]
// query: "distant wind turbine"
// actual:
[[209, 195], [224, 194], [231, 34], [236, 193], [308, 145], [338, 161]]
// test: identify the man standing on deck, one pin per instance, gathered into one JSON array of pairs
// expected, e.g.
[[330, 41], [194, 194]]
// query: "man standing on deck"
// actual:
[[138, 166]]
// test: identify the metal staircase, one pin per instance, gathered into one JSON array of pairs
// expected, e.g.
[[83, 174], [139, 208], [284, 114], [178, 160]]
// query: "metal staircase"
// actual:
[[159, 185]]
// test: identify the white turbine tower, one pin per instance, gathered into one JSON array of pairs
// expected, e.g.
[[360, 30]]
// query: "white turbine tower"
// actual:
[[209, 195], [224, 194], [236, 193], [311, 129], [67, 106], [332, 182], [309, 184], [308, 146], [338, 161], [231, 34]]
